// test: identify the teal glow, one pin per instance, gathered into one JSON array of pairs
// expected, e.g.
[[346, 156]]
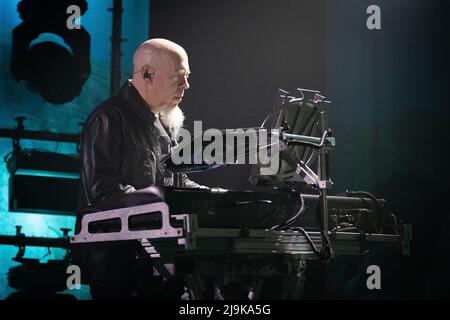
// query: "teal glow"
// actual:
[[43, 37], [45, 211], [50, 174], [16, 100]]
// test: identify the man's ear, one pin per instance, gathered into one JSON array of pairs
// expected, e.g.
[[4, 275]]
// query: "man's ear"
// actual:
[[148, 73]]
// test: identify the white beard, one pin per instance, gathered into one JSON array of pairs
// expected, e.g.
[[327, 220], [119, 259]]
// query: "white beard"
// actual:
[[172, 118]]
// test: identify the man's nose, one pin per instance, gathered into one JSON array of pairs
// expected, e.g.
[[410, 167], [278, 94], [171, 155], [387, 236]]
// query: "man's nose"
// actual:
[[185, 84]]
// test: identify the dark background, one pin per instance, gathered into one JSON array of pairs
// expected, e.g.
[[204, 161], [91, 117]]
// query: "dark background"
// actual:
[[240, 52], [389, 112]]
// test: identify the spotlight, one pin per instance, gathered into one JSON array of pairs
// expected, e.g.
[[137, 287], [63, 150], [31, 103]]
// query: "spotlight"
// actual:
[[50, 69]]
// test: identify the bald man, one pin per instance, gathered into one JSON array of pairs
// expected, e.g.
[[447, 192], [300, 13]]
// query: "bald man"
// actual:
[[161, 72], [122, 143]]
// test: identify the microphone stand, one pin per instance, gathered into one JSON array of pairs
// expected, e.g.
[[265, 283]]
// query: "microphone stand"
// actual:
[[320, 180]]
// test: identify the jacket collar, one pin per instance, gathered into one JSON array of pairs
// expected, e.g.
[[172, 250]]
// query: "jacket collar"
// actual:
[[134, 100]]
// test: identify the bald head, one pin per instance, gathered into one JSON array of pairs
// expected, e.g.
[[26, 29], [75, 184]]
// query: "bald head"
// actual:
[[152, 51], [161, 71]]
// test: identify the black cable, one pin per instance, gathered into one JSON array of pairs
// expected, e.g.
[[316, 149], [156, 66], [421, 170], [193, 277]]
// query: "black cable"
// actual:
[[325, 254], [377, 206], [248, 202], [326, 251], [309, 240], [310, 157], [266, 217], [292, 219]]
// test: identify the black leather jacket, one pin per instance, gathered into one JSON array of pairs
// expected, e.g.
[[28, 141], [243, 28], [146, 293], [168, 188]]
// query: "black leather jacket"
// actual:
[[122, 143]]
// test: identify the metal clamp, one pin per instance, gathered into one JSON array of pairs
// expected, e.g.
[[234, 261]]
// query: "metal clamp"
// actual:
[[166, 231]]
